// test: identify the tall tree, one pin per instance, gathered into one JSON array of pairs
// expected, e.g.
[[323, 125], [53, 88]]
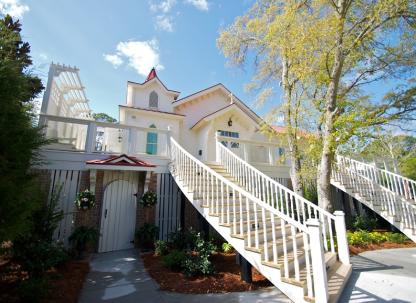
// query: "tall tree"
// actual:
[[269, 31], [19, 138], [372, 40]]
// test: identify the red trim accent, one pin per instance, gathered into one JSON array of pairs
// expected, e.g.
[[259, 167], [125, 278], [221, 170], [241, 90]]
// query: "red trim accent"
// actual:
[[112, 160], [151, 75]]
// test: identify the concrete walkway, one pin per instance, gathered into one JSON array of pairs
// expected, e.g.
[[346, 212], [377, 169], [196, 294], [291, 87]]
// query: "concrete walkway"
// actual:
[[378, 276], [382, 276], [120, 277]]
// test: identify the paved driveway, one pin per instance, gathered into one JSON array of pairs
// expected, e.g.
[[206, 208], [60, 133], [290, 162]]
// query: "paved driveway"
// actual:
[[382, 276], [120, 277], [378, 276]]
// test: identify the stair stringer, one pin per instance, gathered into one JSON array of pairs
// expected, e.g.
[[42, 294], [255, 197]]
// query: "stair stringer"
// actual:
[[293, 292], [391, 219]]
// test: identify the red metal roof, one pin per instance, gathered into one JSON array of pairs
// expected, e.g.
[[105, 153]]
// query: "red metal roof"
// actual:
[[121, 160], [151, 75]]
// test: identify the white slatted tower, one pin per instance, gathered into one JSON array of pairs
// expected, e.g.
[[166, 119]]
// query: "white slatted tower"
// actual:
[[285, 237], [390, 195]]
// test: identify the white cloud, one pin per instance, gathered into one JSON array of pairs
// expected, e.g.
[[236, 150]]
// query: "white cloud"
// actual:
[[199, 4], [13, 7], [141, 55], [162, 7], [164, 23], [115, 59], [43, 56]]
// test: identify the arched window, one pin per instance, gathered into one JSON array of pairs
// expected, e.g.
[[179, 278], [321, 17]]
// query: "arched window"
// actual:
[[153, 100], [151, 143]]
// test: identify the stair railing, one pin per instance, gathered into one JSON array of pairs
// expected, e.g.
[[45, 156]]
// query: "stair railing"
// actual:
[[284, 200], [398, 184], [250, 218], [365, 181]]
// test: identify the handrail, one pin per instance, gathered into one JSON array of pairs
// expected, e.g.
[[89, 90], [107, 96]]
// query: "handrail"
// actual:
[[240, 190], [276, 183], [255, 142], [101, 124], [391, 203], [394, 182], [267, 189]]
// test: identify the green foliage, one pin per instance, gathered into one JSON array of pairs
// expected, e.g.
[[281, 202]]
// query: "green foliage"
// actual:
[[362, 237], [161, 248], [183, 239], [407, 166], [34, 290], [148, 199], [20, 139], [146, 235], [103, 117], [174, 260], [364, 222], [37, 256], [85, 200], [82, 236], [198, 262], [227, 247], [35, 250]]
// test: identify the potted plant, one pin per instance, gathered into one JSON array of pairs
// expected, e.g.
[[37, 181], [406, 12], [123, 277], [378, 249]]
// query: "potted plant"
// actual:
[[148, 200], [82, 236], [85, 200]]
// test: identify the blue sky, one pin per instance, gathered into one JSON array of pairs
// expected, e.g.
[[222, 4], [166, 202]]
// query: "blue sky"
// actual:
[[178, 36]]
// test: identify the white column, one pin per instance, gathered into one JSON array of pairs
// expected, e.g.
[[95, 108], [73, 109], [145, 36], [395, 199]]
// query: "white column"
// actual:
[[270, 156], [341, 232], [318, 261], [168, 146], [91, 137], [217, 148]]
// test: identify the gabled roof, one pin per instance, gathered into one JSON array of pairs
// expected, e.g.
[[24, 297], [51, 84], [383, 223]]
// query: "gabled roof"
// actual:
[[219, 112], [121, 160], [152, 77], [226, 91]]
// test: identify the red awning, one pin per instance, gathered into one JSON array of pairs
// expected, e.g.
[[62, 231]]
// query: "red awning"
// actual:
[[122, 160]]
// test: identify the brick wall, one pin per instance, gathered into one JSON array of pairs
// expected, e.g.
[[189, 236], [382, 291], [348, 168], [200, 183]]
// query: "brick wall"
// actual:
[[146, 214]]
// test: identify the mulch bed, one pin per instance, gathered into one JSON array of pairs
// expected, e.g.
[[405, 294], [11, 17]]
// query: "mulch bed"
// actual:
[[226, 278], [70, 278], [65, 282], [355, 250]]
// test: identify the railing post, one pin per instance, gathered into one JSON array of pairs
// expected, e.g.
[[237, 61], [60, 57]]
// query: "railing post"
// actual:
[[318, 261], [217, 148], [168, 143], [341, 232], [91, 137], [270, 156]]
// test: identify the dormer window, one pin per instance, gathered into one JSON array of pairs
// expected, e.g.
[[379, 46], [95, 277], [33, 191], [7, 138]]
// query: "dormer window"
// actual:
[[153, 100]]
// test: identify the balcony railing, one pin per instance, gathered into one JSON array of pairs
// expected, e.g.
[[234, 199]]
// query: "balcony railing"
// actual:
[[91, 136], [257, 152]]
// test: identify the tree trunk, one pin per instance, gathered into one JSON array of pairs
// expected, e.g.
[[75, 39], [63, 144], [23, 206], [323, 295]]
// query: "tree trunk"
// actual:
[[295, 164], [328, 148]]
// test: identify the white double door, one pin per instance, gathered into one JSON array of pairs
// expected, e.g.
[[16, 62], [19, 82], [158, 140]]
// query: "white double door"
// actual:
[[118, 218]]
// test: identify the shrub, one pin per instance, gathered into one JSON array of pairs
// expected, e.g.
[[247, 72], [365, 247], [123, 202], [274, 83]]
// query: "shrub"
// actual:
[[199, 263], [364, 222], [161, 248], [34, 289], [174, 260], [146, 235], [36, 257], [82, 236], [362, 238], [227, 247]]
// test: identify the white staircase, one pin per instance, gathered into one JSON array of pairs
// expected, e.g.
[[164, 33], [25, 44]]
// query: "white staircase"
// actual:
[[285, 237], [388, 194]]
